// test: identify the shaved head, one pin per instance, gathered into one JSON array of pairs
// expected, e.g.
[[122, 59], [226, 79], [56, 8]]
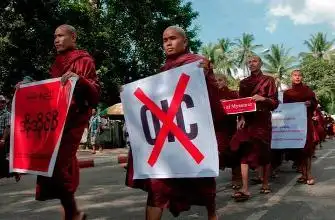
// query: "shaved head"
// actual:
[[296, 77], [65, 38], [178, 29], [69, 28], [255, 63], [174, 41]]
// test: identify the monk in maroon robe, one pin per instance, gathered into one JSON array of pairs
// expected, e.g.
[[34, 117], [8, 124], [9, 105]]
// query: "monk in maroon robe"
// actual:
[[320, 126], [302, 93], [179, 194], [70, 62], [253, 137], [225, 128]]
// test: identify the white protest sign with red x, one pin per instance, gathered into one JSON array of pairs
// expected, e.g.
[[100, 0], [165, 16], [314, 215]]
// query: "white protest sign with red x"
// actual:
[[170, 125]]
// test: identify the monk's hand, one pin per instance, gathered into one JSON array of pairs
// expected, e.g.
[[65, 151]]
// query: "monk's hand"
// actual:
[[258, 98], [206, 65], [240, 123], [308, 103], [67, 76]]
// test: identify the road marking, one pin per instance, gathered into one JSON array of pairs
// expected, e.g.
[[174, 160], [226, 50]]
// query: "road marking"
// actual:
[[257, 215], [276, 198]]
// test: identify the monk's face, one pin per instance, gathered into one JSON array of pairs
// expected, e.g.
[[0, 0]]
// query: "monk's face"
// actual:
[[64, 39], [173, 42], [254, 64], [296, 77]]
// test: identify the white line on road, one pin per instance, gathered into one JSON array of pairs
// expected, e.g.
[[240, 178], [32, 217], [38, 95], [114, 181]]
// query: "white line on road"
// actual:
[[276, 198], [257, 215]]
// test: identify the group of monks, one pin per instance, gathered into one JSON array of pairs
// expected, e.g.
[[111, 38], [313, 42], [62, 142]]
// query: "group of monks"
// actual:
[[243, 140]]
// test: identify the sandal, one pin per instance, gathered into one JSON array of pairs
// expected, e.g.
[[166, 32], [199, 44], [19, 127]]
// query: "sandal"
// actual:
[[310, 181], [265, 190], [17, 177], [236, 186], [302, 180], [241, 197]]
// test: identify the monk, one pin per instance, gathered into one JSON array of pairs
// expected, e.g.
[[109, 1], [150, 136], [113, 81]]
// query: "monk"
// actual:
[[253, 137], [302, 93], [70, 62], [179, 194], [225, 128], [320, 125]]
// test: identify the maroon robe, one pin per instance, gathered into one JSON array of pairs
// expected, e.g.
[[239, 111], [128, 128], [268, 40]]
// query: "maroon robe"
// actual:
[[253, 142], [179, 194], [302, 93], [320, 125], [65, 179]]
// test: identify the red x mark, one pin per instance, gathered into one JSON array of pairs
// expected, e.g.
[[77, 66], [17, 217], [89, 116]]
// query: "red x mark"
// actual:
[[168, 124]]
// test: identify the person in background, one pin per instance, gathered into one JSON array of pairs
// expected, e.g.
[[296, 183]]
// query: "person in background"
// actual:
[[5, 120], [94, 129]]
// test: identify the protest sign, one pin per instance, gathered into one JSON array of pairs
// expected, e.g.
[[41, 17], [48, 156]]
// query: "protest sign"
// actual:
[[289, 126], [236, 106], [170, 125], [39, 112]]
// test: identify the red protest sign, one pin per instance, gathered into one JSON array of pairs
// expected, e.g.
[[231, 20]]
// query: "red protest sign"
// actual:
[[236, 106], [168, 124], [39, 112]]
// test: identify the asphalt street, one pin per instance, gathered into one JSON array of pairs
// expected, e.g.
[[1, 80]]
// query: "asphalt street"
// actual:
[[103, 195]]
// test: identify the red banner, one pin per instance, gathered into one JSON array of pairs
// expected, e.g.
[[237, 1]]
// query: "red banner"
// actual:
[[39, 112], [237, 106]]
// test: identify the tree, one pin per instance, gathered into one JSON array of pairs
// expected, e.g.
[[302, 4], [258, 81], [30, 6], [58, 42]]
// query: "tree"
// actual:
[[319, 46], [245, 48], [225, 59], [278, 62], [209, 52], [320, 76], [123, 36]]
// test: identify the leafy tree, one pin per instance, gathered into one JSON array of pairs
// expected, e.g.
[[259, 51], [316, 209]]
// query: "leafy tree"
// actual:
[[319, 46], [320, 76], [279, 62], [124, 37], [245, 48]]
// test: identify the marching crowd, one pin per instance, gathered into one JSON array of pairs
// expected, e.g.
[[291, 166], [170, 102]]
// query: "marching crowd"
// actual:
[[243, 140]]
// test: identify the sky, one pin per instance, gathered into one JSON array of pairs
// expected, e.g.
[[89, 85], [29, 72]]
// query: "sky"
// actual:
[[287, 22]]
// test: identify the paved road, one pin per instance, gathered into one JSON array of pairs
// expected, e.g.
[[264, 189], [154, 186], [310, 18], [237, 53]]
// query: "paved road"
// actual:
[[103, 196]]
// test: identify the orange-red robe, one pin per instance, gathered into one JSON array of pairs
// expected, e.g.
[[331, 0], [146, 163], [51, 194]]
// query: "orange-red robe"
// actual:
[[253, 142], [65, 179]]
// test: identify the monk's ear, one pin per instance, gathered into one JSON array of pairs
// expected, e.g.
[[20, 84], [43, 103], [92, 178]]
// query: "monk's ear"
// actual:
[[74, 37], [186, 43]]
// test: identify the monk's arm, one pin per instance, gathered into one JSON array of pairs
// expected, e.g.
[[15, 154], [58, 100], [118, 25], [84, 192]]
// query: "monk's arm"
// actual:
[[85, 68]]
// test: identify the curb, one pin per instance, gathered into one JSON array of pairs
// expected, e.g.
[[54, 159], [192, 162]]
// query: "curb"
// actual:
[[113, 160]]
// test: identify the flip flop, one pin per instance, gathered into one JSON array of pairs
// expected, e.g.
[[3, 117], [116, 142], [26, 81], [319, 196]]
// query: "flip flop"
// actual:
[[310, 181], [265, 190], [235, 186], [241, 197], [302, 180]]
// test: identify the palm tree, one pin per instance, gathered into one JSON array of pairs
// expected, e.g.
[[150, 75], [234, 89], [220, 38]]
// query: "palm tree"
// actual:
[[209, 51], [319, 46], [225, 61], [278, 62], [244, 49]]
